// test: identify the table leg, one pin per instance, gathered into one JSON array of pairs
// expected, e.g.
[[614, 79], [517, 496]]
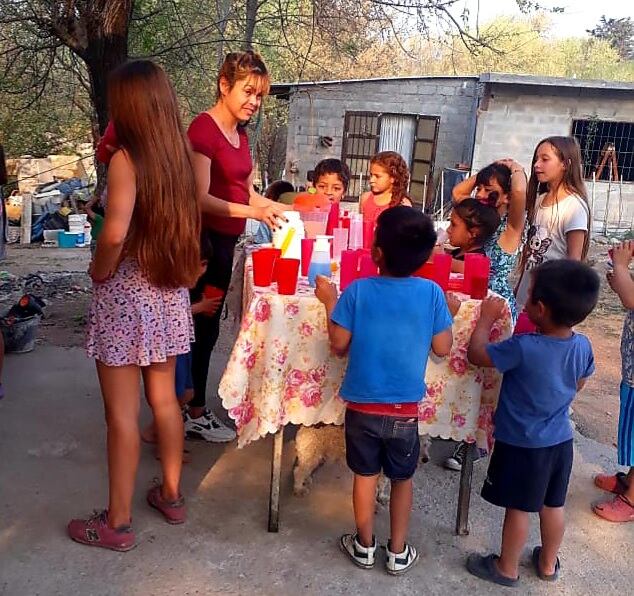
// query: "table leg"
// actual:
[[276, 473], [464, 494]]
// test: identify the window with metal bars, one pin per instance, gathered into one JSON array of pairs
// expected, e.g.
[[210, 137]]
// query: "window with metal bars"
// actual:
[[607, 149], [367, 133]]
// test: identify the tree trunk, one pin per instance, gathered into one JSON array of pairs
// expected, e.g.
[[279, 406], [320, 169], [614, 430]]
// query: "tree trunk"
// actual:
[[103, 55], [252, 15]]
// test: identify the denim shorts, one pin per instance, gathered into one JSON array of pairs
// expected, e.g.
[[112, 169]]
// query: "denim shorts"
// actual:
[[388, 443]]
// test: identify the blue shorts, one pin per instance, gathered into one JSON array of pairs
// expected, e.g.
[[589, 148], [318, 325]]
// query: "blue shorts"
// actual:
[[183, 376], [626, 426], [526, 478], [388, 443]]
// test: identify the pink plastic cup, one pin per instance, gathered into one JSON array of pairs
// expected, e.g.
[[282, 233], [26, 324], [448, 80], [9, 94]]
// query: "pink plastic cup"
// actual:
[[263, 265], [307, 253], [368, 234], [339, 242], [442, 270], [367, 267], [349, 265], [286, 271]]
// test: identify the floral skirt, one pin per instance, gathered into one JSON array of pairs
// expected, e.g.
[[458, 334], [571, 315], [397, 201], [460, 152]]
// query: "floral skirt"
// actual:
[[132, 322]]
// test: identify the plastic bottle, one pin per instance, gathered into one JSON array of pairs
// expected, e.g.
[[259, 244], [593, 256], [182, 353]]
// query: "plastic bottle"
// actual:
[[288, 237], [87, 234], [320, 261]]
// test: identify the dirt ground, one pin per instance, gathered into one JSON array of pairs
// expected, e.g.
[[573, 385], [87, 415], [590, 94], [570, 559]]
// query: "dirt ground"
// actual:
[[66, 288]]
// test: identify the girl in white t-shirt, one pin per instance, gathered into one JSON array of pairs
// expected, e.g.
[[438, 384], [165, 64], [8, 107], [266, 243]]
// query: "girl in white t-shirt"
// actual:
[[558, 210]]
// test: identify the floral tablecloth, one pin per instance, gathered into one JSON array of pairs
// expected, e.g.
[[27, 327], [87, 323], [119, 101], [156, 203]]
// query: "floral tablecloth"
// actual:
[[281, 371]]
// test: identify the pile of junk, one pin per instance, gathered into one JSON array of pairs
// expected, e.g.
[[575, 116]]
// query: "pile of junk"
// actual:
[[58, 215]]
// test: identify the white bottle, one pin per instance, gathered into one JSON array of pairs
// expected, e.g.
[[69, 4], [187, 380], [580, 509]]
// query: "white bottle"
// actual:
[[87, 234], [289, 236]]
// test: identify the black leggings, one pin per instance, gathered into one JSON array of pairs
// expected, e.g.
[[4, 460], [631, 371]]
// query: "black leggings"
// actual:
[[207, 328]]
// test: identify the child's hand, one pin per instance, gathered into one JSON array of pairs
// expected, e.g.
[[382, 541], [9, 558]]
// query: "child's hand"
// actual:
[[209, 306], [622, 254], [325, 291], [493, 309], [453, 303]]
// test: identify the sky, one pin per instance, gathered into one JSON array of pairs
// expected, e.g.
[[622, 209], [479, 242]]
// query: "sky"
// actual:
[[579, 15]]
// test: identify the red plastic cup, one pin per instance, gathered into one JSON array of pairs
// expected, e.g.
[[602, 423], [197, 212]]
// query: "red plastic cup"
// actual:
[[307, 253], [426, 271], [263, 265], [345, 222], [442, 270], [213, 292], [349, 265], [470, 266], [367, 267], [479, 287], [286, 273], [368, 234], [477, 275], [333, 218]]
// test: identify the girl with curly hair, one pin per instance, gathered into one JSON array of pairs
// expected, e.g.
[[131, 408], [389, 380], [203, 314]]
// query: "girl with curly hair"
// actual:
[[389, 177]]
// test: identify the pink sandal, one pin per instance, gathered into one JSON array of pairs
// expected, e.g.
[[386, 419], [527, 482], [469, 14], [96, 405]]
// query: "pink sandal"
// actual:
[[620, 509], [613, 483]]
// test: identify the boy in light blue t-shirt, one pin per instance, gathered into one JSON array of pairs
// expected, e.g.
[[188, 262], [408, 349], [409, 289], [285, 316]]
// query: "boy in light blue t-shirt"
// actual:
[[532, 458], [387, 325]]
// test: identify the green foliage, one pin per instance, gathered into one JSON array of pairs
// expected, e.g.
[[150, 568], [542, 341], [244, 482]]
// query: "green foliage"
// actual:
[[619, 33]]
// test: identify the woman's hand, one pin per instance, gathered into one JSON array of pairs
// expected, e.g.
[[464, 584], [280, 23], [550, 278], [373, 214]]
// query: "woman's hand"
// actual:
[[271, 215]]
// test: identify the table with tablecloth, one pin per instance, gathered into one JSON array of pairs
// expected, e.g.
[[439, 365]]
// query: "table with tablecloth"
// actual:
[[281, 370]]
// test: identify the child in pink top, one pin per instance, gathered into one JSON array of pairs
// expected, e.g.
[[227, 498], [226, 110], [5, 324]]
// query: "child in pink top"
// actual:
[[389, 176]]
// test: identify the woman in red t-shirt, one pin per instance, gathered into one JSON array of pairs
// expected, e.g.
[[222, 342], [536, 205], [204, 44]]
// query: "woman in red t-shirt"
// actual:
[[224, 184]]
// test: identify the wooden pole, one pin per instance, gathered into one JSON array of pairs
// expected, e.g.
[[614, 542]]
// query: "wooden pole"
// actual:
[[25, 220]]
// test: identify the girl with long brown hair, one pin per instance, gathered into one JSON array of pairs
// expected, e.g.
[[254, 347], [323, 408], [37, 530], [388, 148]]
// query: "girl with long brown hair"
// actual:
[[389, 177], [224, 185], [558, 210], [147, 255]]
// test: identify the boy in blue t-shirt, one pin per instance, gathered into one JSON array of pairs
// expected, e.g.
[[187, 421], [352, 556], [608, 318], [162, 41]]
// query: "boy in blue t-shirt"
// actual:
[[387, 325], [532, 458]]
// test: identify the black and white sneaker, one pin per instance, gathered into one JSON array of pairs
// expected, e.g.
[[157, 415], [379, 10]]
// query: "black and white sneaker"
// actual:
[[454, 461], [398, 563], [361, 556], [208, 428]]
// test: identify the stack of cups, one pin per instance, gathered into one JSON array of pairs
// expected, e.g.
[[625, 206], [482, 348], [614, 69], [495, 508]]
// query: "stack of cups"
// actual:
[[76, 226], [356, 232], [339, 242]]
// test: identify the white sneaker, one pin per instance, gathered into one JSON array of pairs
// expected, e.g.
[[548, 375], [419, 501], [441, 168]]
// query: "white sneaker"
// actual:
[[208, 428], [361, 556], [398, 563]]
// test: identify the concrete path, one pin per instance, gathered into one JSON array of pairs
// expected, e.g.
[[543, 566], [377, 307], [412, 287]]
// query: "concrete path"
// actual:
[[52, 467]]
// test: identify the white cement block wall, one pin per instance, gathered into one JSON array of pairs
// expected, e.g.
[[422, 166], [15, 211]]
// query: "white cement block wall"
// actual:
[[320, 110]]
